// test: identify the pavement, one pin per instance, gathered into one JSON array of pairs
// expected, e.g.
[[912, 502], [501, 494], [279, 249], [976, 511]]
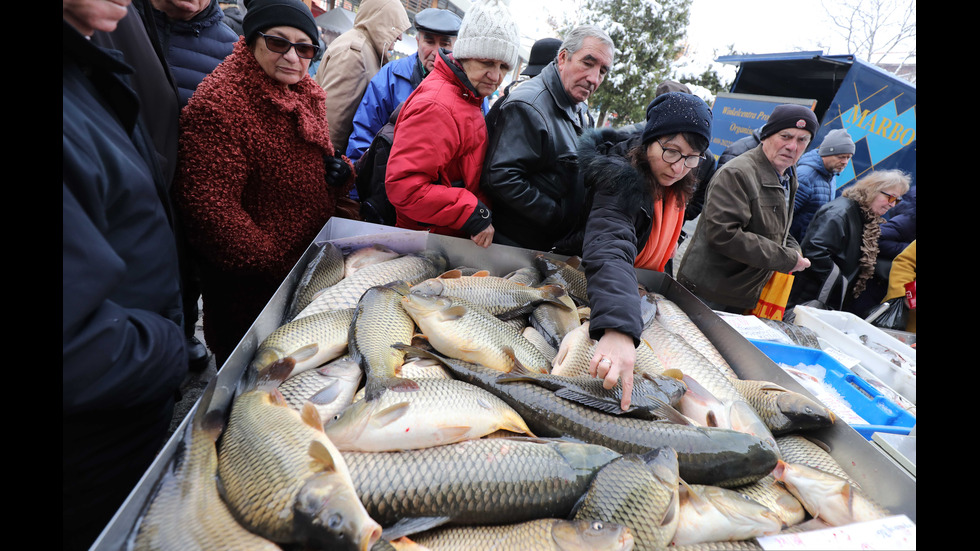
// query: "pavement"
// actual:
[[194, 383]]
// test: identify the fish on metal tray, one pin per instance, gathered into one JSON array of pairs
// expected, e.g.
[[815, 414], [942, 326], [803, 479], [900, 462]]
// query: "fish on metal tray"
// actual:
[[553, 322], [186, 512], [308, 342], [715, 456], [325, 270], [329, 388], [283, 478], [639, 492], [774, 496], [830, 498], [537, 339], [652, 397], [676, 320], [805, 450], [501, 297], [410, 268], [783, 410], [568, 274], [378, 322], [366, 256], [546, 534], [441, 411], [711, 514], [476, 482], [461, 329]]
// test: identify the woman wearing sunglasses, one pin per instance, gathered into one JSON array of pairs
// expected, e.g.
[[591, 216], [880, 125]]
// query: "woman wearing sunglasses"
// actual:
[[258, 175], [638, 185], [842, 241]]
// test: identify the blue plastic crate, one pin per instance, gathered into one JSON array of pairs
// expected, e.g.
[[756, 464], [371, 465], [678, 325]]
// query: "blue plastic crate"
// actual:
[[882, 414]]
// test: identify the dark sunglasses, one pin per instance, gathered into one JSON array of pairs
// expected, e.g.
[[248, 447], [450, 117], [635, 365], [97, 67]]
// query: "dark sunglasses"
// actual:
[[892, 200], [280, 45]]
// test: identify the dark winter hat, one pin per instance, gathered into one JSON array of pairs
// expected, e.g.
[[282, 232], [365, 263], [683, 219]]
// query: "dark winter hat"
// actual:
[[790, 116], [676, 112], [265, 14], [837, 142], [543, 52], [436, 21]]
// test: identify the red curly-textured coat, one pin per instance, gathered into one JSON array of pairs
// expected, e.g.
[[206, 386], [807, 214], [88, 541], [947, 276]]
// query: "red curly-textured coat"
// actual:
[[250, 187]]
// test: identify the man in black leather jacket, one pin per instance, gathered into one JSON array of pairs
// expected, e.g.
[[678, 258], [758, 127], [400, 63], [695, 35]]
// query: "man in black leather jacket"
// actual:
[[530, 168]]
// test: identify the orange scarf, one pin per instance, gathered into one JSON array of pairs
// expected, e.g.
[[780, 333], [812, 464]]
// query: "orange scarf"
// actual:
[[664, 231]]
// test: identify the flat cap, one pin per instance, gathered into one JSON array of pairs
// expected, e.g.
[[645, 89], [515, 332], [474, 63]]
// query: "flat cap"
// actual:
[[436, 21]]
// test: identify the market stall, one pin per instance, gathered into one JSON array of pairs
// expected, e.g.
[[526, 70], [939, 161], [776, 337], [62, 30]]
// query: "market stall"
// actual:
[[881, 477]]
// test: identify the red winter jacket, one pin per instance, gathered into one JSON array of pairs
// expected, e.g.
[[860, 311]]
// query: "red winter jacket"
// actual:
[[433, 174]]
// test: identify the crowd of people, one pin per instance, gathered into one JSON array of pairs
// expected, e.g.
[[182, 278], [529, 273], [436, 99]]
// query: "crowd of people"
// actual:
[[205, 144]]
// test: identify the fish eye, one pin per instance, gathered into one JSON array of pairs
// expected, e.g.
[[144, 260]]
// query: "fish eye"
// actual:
[[335, 521], [597, 525]]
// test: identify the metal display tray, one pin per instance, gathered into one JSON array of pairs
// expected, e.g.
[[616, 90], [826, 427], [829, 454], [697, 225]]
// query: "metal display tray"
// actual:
[[881, 477]]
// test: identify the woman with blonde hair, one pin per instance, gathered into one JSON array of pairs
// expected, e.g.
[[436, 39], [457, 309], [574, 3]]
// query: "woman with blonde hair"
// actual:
[[842, 241]]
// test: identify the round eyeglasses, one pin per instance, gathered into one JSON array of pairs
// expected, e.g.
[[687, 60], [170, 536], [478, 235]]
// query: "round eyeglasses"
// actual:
[[280, 45], [672, 156]]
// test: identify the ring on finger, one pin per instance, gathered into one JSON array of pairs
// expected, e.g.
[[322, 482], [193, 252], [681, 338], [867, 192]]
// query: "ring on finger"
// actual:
[[605, 361]]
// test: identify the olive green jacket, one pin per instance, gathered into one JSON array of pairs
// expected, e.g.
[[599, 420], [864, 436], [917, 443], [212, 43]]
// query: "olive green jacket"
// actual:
[[742, 235]]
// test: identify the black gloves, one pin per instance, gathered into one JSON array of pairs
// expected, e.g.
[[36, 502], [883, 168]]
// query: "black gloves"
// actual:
[[338, 172]]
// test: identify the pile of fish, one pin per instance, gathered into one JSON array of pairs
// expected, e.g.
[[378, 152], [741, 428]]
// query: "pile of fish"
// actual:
[[407, 404]]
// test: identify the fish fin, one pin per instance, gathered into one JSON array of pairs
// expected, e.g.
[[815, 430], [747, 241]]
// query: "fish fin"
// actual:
[[453, 313], [213, 423], [673, 372], [327, 394], [668, 412], [452, 434], [515, 423], [390, 414], [585, 399], [553, 294], [275, 373], [401, 287], [311, 416], [451, 274], [401, 384], [481, 273], [305, 352], [322, 456], [516, 365], [574, 262], [409, 526]]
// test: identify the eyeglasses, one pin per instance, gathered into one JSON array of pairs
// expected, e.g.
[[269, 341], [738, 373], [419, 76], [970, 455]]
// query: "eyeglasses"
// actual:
[[672, 156], [892, 200], [280, 45]]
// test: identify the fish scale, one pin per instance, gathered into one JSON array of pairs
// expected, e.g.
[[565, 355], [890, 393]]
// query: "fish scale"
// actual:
[[706, 455], [632, 492], [379, 322], [411, 269], [325, 270], [776, 498], [539, 534], [315, 339], [675, 320], [800, 449], [486, 481]]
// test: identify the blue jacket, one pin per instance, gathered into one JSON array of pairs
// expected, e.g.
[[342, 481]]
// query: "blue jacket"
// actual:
[[194, 48], [123, 346], [388, 89], [816, 188], [899, 231]]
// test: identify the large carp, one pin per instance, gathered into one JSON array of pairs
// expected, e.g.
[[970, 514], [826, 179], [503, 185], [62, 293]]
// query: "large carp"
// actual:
[[186, 512], [282, 476], [380, 321], [486, 481], [720, 457], [546, 534]]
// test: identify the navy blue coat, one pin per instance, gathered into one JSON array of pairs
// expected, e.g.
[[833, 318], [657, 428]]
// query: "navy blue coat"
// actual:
[[123, 351], [817, 186], [194, 48]]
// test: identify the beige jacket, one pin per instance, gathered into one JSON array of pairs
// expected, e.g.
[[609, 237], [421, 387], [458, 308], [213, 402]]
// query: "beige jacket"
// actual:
[[353, 58]]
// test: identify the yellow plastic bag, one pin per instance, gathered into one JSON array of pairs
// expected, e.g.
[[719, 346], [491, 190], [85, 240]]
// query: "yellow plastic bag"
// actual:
[[772, 301]]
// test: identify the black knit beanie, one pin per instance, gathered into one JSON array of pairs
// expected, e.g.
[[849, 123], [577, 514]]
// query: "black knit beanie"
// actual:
[[676, 112], [265, 14], [790, 116]]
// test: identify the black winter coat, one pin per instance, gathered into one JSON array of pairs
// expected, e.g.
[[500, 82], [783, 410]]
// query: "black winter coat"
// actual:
[[833, 246], [529, 171], [618, 227]]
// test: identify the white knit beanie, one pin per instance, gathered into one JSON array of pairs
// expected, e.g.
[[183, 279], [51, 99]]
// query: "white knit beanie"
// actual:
[[488, 31]]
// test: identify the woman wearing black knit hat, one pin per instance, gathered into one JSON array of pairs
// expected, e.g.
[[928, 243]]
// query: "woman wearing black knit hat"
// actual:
[[639, 185]]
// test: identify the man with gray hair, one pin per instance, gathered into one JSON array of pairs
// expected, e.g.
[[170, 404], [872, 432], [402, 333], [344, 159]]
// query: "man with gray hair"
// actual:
[[530, 169]]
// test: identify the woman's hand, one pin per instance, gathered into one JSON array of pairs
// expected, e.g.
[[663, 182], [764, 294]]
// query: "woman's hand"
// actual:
[[484, 238], [614, 358]]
